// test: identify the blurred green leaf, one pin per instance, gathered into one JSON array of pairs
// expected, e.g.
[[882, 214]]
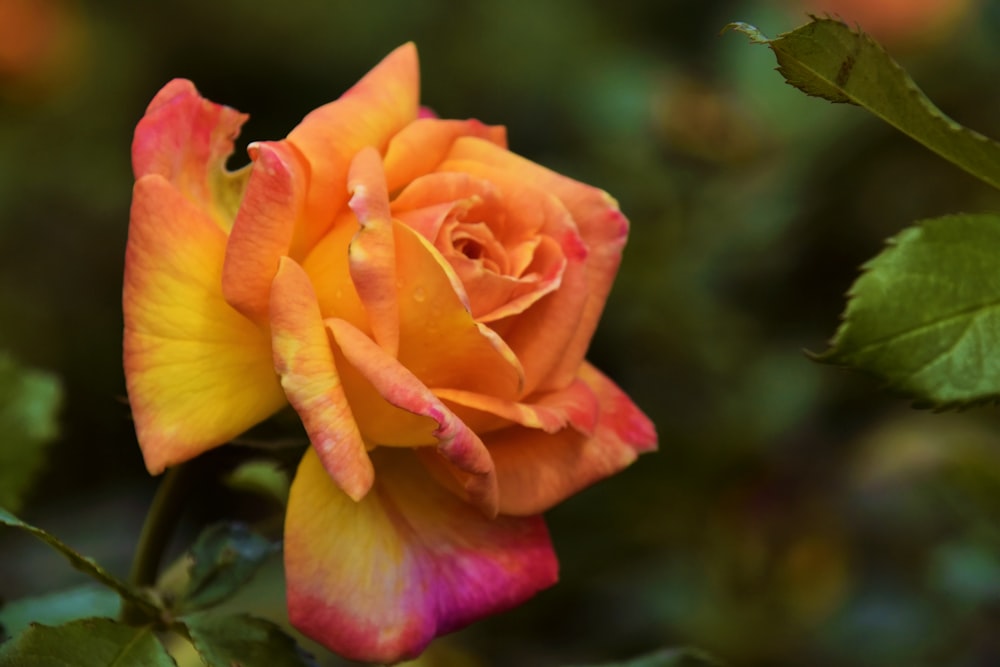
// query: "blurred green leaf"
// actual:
[[82, 563], [90, 642], [262, 477], [682, 657], [825, 58], [224, 557], [925, 315], [57, 608], [223, 641], [29, 403]]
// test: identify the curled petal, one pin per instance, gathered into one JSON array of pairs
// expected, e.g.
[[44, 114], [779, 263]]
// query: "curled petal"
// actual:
[[575, 406], [186, 139], [264, 225], [372, 251], [396, 384], [376, 580], [198, 373], [304, 360], [537, 470], [376, 108]]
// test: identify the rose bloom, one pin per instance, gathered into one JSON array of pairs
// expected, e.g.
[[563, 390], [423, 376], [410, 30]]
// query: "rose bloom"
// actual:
[[423, 298]]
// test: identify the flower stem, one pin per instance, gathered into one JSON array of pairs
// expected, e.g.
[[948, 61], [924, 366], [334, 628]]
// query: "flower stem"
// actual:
[[158, 528]]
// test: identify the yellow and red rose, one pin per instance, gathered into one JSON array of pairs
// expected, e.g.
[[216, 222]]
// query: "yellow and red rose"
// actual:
[[424, 299]]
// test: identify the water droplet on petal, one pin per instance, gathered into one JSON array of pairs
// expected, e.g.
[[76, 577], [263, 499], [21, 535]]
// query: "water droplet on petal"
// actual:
[[419, 295]]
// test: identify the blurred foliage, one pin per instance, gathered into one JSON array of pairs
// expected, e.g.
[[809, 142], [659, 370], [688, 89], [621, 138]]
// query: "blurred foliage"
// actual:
[[795, 515], [29, 403]]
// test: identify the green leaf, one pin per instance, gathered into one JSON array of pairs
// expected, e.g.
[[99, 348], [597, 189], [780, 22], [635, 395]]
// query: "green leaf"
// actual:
[[224, 557], [29, 403], [224, 641], [825, 58], [925, 314], [57, 608], [82, 563], [682, 657], [263, 477], [90, 642]]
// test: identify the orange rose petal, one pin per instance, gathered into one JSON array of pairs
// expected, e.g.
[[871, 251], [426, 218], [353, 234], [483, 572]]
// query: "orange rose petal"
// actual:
[[369, 114], [424, 143], [575, 406], [328, 266], [440, 342], [603, 229], [427, 202], [537, 470], [394, 382], [443, 187], [500, 297], [198, 373], [304, 360], [372, 251], [186, 139], [264, 225], [376, 581]]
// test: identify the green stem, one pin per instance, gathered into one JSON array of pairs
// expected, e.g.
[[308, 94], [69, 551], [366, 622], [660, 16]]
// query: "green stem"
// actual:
[[158, 528]]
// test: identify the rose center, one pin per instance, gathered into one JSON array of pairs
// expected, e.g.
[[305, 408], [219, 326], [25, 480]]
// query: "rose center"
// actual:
[[469, 248]]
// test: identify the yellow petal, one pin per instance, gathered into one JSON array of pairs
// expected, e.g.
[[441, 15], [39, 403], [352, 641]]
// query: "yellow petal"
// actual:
[[198, 373]]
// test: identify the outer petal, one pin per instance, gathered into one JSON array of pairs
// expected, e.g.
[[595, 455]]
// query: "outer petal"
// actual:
[[604, 230], [304, 360], [368, 114], [458, 444], [198, 373], [186, 139], [375, 581], [264, 225], [537, 470]]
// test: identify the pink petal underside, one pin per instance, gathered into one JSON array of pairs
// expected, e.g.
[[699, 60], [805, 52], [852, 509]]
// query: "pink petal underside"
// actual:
[[381, 104], [198, 373], [376, 581], [187, 139], [372, 251], [603, 229], [424, 143], [264, 226], [537, 470], [459, 445], [304, 360]]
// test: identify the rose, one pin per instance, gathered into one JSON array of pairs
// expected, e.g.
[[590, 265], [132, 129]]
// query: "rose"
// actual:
[[424, 299]]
